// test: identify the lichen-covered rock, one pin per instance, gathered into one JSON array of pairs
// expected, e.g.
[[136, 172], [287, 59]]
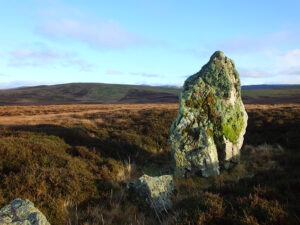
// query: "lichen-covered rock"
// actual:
[[20, 212], [208, 132], [157, 191]]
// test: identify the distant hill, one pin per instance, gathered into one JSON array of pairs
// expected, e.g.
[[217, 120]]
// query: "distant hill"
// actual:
[[268, 86], [76, 93], [271, 94], [87, 93]]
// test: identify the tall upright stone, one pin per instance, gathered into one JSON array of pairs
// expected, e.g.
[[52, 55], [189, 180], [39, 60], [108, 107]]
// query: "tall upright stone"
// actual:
[[207, 134]]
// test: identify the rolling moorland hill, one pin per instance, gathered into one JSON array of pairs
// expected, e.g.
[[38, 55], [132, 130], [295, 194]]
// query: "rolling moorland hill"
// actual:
[[83, 93]]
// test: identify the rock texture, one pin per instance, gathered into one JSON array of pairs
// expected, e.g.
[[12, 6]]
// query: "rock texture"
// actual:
[[20, 212], [208, 132], [156, 190]]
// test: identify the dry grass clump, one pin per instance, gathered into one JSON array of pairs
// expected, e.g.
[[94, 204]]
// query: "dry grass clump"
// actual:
[[38, 167], [258, 210], [263, 156], [74, 162], [204, 208], [70, 159], [236, 196]]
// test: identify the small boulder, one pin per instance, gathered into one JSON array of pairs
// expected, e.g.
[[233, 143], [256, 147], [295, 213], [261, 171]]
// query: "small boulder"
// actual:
[[208, 132], [157, 191], [20, 212]]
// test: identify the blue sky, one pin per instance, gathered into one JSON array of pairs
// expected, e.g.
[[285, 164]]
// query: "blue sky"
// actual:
[[155, 42]]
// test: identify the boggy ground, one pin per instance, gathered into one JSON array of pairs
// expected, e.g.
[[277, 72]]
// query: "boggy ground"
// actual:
[[74, 161]]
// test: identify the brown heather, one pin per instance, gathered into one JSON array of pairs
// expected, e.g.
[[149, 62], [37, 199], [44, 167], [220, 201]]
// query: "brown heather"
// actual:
[[73, 162]]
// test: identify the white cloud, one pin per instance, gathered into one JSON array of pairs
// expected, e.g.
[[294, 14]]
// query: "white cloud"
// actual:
[[290, 80], [36, 57], [140, 74], [286, 68], [113, 72], [108, 34], [253, 73], [286, 63], [247, 44], [143, 74], [291, 71], [289, 59], [159, 83]]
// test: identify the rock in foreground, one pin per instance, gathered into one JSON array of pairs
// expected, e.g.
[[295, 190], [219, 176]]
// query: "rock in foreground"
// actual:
[[208, 132], [157, 191], [20, 212]]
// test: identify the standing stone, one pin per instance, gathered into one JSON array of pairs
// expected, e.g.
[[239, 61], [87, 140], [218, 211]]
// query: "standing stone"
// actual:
[[20, 212], [157, 191], [207, 134]]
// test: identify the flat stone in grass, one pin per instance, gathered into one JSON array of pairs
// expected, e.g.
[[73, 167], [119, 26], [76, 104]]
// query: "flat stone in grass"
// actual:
[[157, 191], [21, 212]]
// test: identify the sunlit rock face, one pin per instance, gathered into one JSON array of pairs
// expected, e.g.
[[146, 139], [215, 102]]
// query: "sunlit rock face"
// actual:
[[22, 212], [157, 191], [208, 132]]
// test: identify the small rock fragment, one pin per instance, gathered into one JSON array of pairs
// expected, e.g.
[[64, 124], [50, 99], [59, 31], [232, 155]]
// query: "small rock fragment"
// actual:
[[20, 212], [157, 191]]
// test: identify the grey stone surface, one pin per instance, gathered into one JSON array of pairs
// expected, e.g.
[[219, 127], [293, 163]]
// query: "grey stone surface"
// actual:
[[208, 132], [21, 212], [157, 191]]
